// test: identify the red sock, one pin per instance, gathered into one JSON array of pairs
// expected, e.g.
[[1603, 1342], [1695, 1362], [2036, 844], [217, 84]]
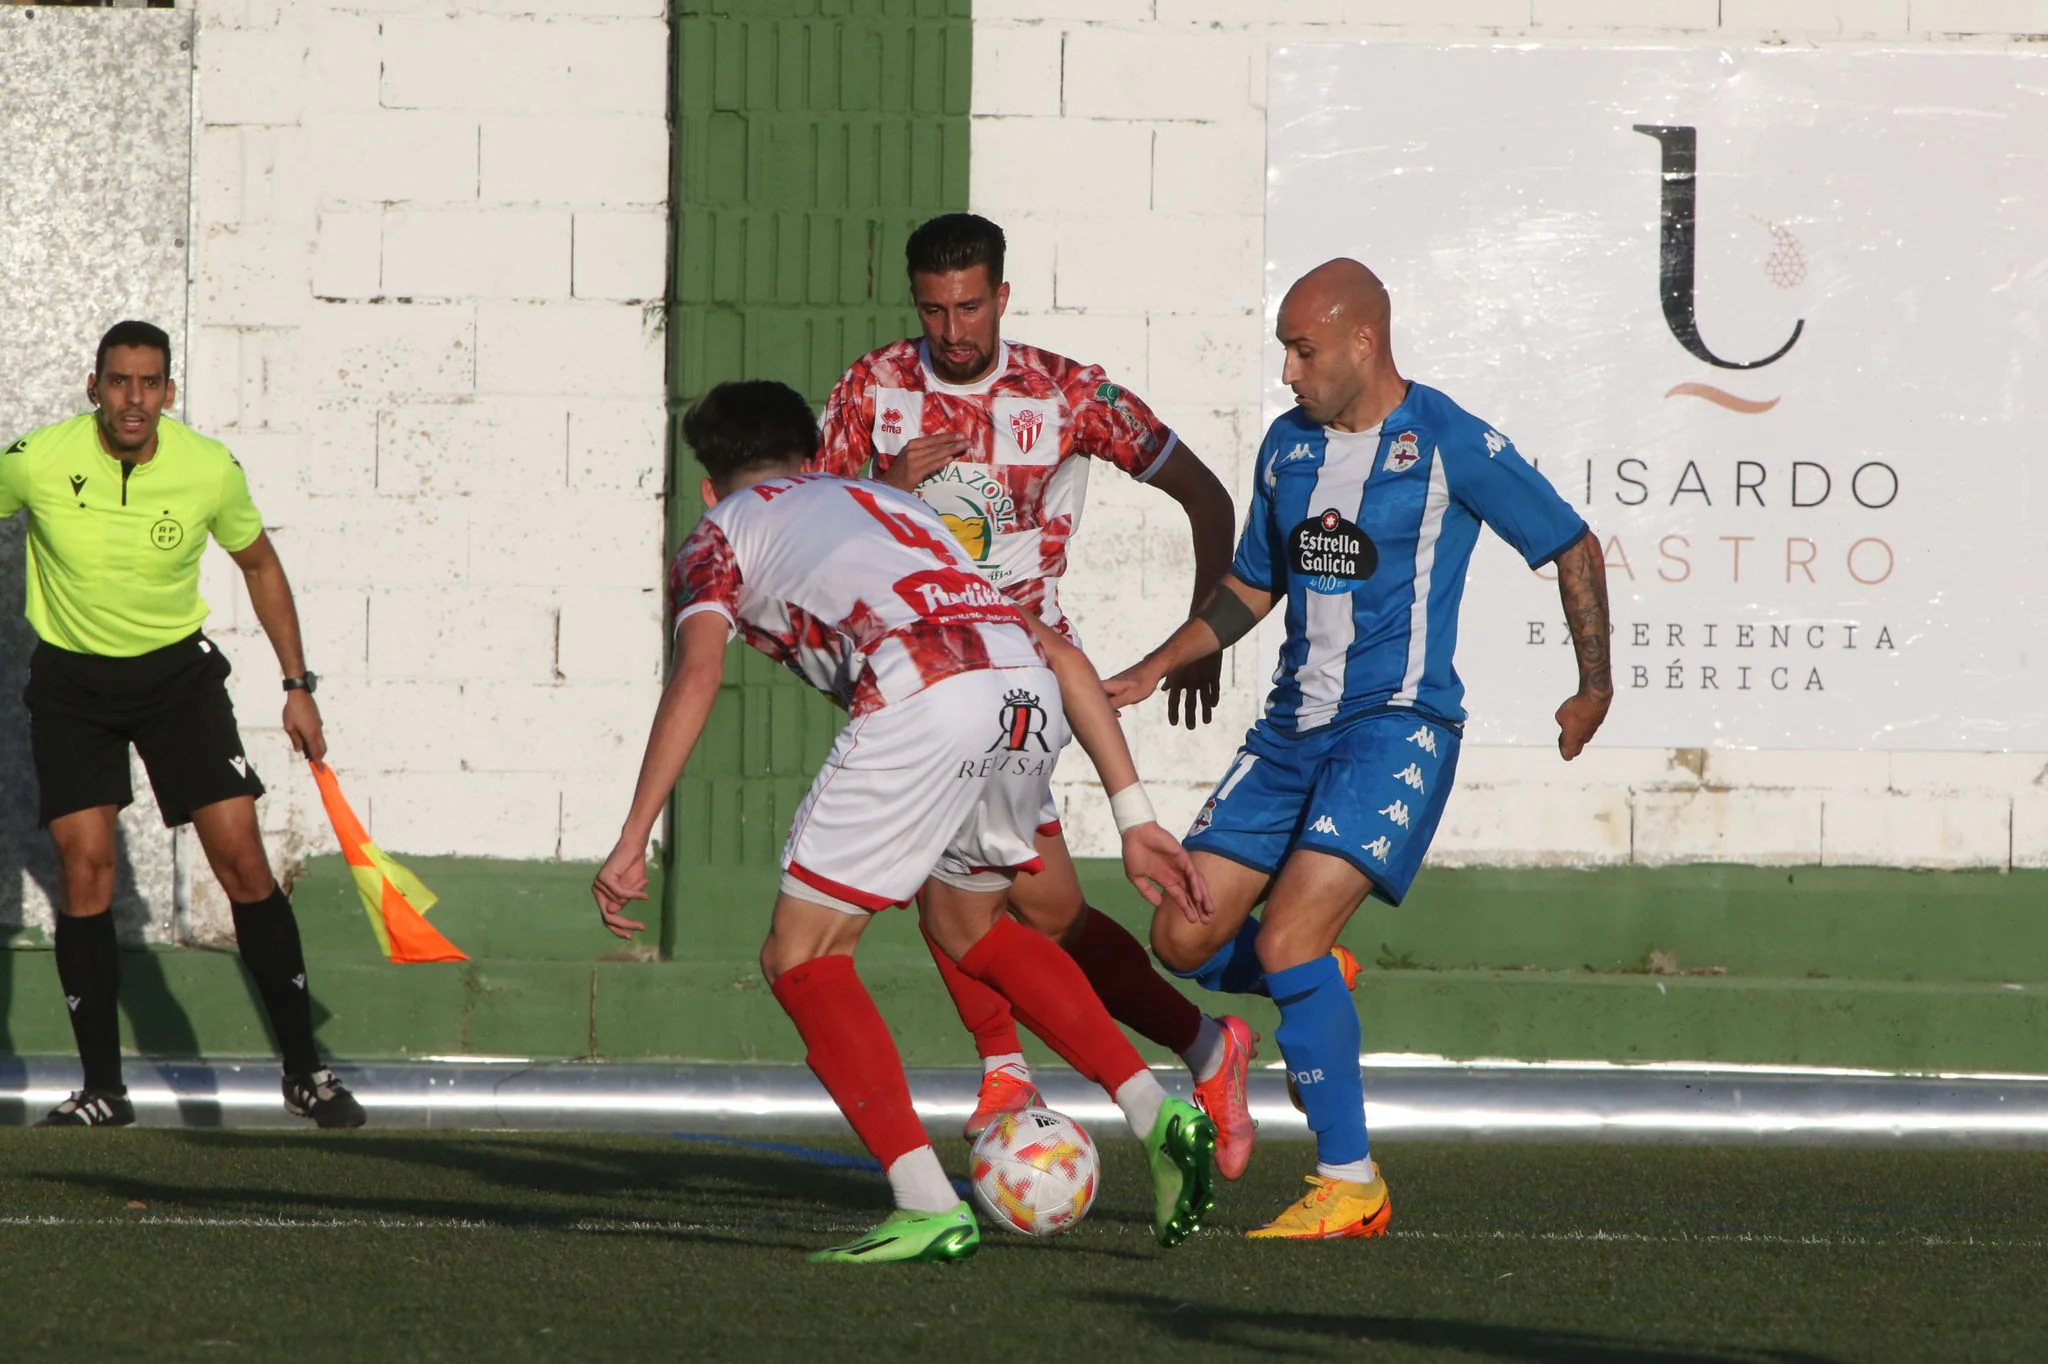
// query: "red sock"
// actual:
[[1135, 994], [1050, 996], [852, 1054], [985, 1013]]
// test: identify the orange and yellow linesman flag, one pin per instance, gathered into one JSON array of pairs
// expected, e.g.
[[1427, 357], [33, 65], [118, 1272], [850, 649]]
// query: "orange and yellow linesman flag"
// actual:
[[395, 899]]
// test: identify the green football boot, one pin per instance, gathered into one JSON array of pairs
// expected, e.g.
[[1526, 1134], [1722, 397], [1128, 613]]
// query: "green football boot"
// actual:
[[906, 1237], [1181, 1149]]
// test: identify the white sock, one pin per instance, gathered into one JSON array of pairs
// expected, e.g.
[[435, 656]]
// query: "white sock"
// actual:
[[1008, 1058], [920, 1184], [1356, 1171], [1205, 1054], [1140, 1097]]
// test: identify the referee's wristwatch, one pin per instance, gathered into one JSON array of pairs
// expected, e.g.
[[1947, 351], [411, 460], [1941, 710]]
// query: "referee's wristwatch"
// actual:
[[308, 684]]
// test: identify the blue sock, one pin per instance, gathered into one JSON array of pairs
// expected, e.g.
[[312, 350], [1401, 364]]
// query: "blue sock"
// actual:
[[1318, 1036], [1235, 970]]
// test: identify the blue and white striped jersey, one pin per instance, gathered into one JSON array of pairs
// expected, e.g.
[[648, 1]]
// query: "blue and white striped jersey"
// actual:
[[1367, 535]]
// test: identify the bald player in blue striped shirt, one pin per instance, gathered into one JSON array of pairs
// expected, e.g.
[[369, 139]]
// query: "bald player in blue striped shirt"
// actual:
[[1367, 504]]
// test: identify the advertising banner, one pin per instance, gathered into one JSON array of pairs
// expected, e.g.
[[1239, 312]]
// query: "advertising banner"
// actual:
[[1774, 321]]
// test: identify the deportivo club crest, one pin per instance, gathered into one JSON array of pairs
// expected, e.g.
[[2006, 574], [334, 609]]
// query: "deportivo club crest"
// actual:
[[1025, 425], [1403, 453], [1023, 722]]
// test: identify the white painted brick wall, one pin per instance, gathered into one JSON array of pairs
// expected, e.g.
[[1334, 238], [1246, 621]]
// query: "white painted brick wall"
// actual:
[[1122, 145], [427, 233]]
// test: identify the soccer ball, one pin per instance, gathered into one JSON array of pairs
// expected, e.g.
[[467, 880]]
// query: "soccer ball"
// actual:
[[1035, 1171]]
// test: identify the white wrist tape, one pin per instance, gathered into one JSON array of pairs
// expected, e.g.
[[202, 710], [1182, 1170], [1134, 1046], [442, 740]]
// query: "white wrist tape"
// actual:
[[1131, 807]]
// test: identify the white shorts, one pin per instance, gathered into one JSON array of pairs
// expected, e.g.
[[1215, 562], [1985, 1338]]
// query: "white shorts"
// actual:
[[952, 783]]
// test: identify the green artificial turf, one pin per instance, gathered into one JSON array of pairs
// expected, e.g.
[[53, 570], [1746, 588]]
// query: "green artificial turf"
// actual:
[[171, 1245]]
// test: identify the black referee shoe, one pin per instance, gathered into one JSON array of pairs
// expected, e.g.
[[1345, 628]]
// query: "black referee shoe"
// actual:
[[91, 1108], [320, 1096]]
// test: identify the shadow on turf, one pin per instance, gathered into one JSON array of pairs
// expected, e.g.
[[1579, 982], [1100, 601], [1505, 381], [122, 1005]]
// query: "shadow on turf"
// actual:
[[1270, 1332], [561, 1184]]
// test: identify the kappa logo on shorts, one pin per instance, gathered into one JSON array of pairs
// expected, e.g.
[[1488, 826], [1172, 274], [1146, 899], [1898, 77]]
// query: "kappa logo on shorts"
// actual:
[[1424, 739], [1398, 813], [1412, 775], [1023, 722], [1325, 825], [1381, 848]]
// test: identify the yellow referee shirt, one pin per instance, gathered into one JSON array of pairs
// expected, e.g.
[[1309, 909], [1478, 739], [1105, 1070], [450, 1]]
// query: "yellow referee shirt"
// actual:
[[113, 548]]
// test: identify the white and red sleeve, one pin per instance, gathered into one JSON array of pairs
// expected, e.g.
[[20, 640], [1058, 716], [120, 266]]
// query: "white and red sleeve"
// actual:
[[704, 577], [1114, 424]]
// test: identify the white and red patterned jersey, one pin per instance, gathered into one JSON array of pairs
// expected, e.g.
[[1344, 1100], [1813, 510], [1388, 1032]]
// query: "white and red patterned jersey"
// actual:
[[1014, 498], [855, 587]]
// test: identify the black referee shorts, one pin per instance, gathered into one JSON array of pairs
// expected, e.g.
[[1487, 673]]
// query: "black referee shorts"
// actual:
[[172, 704]]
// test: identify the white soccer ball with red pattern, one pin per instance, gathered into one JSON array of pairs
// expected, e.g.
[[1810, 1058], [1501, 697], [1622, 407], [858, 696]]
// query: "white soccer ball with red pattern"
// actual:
[[1035, 1171]]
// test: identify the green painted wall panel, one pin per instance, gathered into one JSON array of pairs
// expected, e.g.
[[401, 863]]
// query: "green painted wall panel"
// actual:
[[810, 137]]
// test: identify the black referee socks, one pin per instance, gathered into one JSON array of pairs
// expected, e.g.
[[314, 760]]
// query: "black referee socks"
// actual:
[[89, 968], [268, 934]]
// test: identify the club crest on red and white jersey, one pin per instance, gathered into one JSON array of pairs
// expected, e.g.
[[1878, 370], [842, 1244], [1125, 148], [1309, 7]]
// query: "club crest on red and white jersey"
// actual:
[[1025, 426]]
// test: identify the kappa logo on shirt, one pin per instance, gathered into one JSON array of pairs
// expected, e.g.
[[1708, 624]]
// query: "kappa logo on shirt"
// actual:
[[1495, 443], [1403, 454], [1297, 454]]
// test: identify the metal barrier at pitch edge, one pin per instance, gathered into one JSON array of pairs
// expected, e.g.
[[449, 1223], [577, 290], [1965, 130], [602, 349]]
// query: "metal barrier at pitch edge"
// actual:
[[1412, 1097]]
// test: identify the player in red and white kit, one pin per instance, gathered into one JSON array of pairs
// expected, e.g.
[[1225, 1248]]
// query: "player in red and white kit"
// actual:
[[997, 438], [959, 702]]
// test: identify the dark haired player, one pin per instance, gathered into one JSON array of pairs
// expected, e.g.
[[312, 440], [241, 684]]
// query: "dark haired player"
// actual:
[[121, 501], [1368, 501], [958, 702], [997, 437]]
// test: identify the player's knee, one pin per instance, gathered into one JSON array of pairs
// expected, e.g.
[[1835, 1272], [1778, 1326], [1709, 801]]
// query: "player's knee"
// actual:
[[782, 954], [1061, 921], [1174, 951], [1285, 944], [246, 878], [88, 879]]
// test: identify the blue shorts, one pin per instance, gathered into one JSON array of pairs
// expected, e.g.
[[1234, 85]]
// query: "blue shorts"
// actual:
[[1369, 790]]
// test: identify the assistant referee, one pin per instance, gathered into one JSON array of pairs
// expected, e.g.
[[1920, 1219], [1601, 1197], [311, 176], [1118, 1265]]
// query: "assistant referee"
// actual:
[[120, 502]]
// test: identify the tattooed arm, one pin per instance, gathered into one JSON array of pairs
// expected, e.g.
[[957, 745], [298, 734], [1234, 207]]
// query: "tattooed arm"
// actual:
[[1582, 586]]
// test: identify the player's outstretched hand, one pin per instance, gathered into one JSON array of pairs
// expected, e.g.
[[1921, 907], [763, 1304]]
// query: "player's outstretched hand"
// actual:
[[1129, 687], [1578, 719], [1201, 679], [622, 879], [922, 457], [1161, 870]]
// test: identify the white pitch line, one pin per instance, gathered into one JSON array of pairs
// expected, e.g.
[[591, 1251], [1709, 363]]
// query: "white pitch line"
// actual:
[[1716, 1238], [262, 1223]]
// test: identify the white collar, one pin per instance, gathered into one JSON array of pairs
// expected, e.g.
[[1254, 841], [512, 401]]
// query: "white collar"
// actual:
[[933, 382]]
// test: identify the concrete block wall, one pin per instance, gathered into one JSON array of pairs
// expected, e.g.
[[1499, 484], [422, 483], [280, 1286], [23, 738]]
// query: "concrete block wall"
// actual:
[[430, 245], [1121, 143]]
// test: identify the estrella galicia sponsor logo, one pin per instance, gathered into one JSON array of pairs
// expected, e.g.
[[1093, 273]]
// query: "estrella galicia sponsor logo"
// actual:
[[1023, 722], [1330, 554]]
